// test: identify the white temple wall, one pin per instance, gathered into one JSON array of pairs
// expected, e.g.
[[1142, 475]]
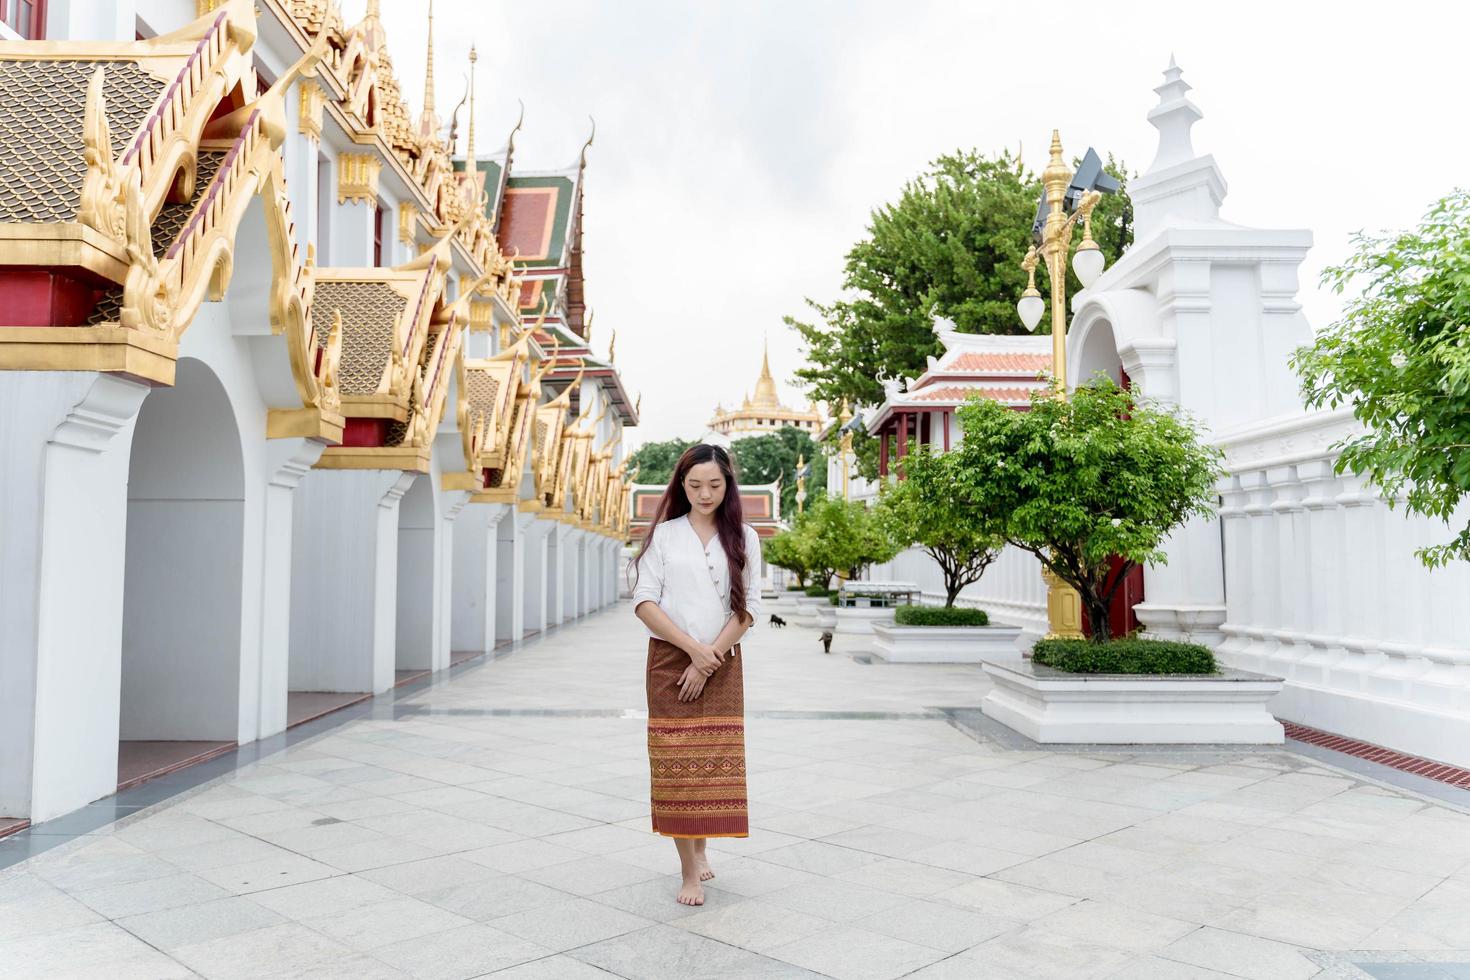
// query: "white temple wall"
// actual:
[[1323, 589], [102, 20], [65, 444], [345, 580]]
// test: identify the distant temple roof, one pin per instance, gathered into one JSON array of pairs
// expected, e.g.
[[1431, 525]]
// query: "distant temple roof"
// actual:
[[763, 412]]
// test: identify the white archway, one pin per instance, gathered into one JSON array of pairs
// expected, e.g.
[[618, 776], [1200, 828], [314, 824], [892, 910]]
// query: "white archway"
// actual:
[[183, 579]]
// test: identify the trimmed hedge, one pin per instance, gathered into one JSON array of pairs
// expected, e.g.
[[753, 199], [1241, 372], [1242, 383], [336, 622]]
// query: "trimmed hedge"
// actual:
[[819, 592], [1126, 656], [795, 588], [939, 616]]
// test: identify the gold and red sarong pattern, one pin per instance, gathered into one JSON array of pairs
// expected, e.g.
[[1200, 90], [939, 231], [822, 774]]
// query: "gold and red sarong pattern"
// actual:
[[696, 749]]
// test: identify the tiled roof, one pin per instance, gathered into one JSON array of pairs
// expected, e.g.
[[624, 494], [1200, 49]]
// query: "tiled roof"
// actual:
[[41, 107], [958, 393], [982, 363], [172, 217], [370, 310], [533, 221]]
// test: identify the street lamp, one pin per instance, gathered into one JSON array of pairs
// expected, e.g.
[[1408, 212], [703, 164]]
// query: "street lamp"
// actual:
[[1065, 198]]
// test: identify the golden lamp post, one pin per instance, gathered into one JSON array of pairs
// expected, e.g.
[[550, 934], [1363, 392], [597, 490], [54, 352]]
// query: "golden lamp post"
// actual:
[[1066, 198]]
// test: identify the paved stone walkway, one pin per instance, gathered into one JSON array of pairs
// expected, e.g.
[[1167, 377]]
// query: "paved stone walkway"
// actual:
[[498, 824]]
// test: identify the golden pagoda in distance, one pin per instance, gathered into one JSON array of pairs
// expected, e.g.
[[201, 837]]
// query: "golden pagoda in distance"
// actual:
[[763, 413]]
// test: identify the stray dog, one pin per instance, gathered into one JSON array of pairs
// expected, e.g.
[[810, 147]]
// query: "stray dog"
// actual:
[[777, 620], [826, 641]]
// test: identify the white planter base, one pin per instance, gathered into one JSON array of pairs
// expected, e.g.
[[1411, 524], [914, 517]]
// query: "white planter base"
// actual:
[[805, 613], [826, 618], [1051, 706], [859, 620], [944, 644]]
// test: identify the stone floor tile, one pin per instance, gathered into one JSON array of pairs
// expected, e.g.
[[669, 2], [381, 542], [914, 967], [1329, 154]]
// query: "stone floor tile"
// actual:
[[326, 896], [170, 929], [1038, 954], [288, 947], [970, 859], [82, 871], [521, 855], [97, 950], [371, 854], [1114, 925], [654, 899], [273, 872], [835, 900], [818, 857], [1158, 968], [570, 923], [416, 877], [559, 967], [43, 911], [751, 924], [667, 951], [588, 875], [369, 926], [492, 897], [857, 954], [220, 854], [1243, 956], [937, 925], [906, 877], [603, 839], [135, 898], [470, 951], [1004, 899]]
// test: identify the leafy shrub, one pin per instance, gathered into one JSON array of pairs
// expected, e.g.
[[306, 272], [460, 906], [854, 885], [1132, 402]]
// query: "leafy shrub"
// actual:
[[819, 592], [939, 616], [1127, 656], [793, 587]]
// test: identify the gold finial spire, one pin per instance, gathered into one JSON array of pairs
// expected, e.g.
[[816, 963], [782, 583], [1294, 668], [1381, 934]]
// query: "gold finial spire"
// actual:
[[470, 167], [429, 120], [765, 386]]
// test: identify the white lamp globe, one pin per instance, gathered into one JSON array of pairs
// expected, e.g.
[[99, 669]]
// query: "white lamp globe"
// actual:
[[1088, 264], [1030, 309]]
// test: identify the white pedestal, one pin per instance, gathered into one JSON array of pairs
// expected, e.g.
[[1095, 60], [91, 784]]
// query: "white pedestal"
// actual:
[[826, 615], [860, 620], [943, 644], [806, 611], [1050, 706]]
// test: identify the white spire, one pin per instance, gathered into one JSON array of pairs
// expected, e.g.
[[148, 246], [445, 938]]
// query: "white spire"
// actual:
[[1173, 117]]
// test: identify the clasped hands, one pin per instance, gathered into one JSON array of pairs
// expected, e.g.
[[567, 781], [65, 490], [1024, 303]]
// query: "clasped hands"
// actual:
[[704, 660]]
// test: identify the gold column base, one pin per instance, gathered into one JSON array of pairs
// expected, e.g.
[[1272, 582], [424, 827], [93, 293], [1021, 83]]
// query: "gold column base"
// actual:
[[1063, 608]]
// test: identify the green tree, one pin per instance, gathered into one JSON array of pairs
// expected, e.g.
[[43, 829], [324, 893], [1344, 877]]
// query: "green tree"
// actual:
[[843, 536], [785, 551], [950, 246], [1400, 356], [767, 458], [923, 509], [655, 460], [1082, 480]]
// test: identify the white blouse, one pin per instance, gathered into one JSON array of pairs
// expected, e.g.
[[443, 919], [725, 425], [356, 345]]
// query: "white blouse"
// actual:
[[690, 581]]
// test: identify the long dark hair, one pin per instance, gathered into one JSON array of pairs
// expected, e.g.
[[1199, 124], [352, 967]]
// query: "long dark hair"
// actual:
[[729, 520]]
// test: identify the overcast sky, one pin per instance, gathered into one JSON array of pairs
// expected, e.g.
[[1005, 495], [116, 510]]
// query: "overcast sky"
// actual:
[[741, 145]]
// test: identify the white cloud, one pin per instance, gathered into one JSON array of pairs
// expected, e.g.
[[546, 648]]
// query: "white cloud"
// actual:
[[741, 145]]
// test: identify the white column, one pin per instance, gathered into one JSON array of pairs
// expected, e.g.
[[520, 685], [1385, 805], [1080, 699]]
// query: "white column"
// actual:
[[537, 557], [65, 442], [290, 460], [476, 587], [96, 20], [511, 576], [345, 580]]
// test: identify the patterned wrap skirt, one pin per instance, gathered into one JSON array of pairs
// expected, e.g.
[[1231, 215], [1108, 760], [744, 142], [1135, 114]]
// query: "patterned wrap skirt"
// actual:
[[696, 749]]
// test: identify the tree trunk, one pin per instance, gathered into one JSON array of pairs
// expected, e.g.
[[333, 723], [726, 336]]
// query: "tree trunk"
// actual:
[[1097, 617], [952, 588]]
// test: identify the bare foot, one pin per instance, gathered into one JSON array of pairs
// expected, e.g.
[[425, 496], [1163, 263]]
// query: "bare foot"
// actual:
[[705, 871], [692, 893]]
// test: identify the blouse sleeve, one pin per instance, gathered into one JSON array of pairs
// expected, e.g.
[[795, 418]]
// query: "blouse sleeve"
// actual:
[[752, 573], [649, 572]]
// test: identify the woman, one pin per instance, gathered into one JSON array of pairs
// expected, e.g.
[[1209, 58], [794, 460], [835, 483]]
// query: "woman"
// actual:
[[696, 591]]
